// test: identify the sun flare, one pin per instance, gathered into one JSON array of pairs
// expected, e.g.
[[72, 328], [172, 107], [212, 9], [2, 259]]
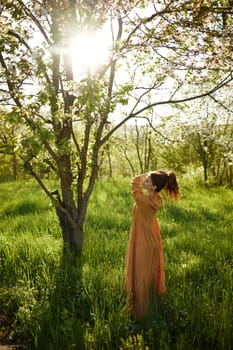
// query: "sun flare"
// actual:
[[89, 52]]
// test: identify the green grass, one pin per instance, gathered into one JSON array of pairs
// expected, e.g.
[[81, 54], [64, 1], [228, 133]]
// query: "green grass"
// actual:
[[59, 302]]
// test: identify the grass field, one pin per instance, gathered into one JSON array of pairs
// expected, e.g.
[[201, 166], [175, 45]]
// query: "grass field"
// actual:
[[52, 301]]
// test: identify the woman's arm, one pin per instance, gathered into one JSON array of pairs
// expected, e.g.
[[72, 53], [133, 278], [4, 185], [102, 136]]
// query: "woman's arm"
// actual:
[[140, 197], [136, 183]]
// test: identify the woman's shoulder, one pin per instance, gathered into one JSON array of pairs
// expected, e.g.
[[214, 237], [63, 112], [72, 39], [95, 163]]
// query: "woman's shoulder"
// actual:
[[156, 199]]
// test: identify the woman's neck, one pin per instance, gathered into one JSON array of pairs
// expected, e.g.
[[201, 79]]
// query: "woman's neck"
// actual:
[[151, 192]]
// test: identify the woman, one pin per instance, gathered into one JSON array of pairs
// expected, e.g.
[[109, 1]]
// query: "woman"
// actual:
[[144, 256]]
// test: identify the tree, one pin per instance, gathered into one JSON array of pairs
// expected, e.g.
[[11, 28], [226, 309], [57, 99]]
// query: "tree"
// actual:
[[210, 135], [137, 147], [8, 142], [66, 120], [212, 142]]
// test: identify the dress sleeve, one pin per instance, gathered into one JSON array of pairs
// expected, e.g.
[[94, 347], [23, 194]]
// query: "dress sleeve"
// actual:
[[136, 186], [140, 197]]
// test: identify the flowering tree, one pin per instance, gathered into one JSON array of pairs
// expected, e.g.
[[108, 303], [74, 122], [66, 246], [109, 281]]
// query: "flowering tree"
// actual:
[[211, 136], [65, 115]]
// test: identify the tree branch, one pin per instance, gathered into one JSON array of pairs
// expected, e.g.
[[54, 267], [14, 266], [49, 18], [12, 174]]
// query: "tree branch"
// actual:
[[29, 168], [131, 115], [113, 63], [224, 82], [36, 21], [157, 131], [221, 104]]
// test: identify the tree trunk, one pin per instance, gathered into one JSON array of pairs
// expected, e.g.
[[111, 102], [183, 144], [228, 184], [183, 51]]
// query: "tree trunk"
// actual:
[[231, 175], [109, 161], [221, 177], [14, 167], [72, 232], [138, 148], [129, 161], [205, 167]]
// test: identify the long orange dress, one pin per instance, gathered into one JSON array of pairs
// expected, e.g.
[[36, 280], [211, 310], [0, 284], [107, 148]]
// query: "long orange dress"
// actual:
[[144, 256]]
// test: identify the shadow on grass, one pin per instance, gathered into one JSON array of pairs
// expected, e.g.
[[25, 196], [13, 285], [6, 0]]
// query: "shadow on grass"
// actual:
[[192, 216], [63, 326], [23, 208]]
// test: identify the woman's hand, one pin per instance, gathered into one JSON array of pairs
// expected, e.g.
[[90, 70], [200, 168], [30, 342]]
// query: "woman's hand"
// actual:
[[142, 177]]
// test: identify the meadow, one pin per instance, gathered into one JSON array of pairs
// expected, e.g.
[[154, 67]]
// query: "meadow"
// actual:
[[50, 300]]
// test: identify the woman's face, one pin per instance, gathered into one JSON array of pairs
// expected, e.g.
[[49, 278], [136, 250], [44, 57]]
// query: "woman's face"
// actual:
[[147, 184]]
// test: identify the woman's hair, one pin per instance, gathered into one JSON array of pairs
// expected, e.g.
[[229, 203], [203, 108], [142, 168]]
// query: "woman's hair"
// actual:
[[165, 180]]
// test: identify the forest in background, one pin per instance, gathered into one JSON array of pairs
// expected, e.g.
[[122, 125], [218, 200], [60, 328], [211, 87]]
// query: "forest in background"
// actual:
[[204, 146]]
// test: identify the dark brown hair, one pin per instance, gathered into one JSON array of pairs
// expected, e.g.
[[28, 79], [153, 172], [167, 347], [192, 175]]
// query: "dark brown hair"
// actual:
[[165, 180]]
